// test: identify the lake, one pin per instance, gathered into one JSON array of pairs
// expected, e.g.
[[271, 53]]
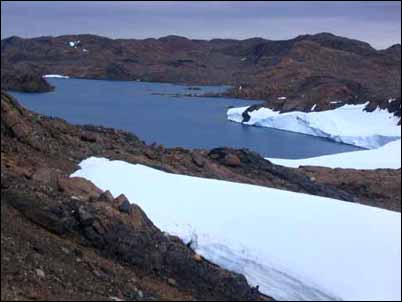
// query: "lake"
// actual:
[[155, 113]]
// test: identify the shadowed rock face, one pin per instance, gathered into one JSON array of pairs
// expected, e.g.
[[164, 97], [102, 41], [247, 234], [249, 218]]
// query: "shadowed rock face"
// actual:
[[126, 237], [311, 69]]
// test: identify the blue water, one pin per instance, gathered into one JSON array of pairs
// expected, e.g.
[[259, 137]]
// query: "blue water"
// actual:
[[190, 122]]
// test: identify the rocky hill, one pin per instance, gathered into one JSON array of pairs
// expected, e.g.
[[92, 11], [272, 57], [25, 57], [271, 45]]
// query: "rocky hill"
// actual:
[[322, 69]]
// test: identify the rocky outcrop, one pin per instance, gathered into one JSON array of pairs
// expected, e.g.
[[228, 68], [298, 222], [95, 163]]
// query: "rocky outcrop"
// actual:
[[379, 188], [323, 69], [23, 79], [124, 236]]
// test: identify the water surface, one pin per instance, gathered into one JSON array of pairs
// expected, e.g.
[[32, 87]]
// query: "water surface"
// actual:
[[149, 111]]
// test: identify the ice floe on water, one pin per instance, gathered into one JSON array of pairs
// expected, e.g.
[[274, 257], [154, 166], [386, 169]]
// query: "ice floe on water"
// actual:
[[349, 124], [293, 246]]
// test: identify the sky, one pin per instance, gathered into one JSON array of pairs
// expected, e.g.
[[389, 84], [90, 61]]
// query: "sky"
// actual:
[[376, 22]]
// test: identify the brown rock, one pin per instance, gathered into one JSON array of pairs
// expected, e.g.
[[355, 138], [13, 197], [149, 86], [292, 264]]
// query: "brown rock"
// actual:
[[77, 186], [45, 175], [197, 258], [138, 217], [21, 130], [106, 197], [119, 200], [231, 160]]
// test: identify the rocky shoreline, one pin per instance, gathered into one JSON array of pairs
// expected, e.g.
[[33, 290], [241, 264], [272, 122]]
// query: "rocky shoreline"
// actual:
[[50, 220]]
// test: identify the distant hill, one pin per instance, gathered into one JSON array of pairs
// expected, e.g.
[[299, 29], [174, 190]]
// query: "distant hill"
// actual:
[[323, 69]]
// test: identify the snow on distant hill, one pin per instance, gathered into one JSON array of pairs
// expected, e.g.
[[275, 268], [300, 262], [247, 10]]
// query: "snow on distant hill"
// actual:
[[293, 246], [349, 124]]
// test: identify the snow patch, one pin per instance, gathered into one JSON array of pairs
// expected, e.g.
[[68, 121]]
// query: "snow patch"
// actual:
[[74, 44], [349, 124], [57, 76], [386, 157], [294, 246]]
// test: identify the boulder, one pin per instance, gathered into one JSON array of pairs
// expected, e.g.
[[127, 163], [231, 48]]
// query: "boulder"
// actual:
[[89, 137], [86, 219], [77, 186], [231, 160], [150, 154], [125, 207], [106, 197], [198, 160]]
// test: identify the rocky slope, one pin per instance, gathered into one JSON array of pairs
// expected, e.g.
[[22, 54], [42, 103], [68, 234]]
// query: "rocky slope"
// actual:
[[63, 238], [312, 69]]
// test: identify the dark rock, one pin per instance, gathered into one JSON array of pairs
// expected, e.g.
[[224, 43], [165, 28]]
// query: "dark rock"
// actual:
[[125, 207], [150, 154], [198, 160], [172, 282], [89, 137], [85, 218]]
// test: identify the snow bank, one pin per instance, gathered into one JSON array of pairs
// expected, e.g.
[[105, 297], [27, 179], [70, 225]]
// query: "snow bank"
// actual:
[[58, 76], [386, 157], [294, 246], [348, 124]]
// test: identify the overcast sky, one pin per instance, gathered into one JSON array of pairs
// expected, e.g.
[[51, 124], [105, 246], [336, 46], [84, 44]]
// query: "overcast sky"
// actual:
[[378, 23]]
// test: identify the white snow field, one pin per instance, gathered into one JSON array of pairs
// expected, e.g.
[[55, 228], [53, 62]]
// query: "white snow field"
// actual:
[[57, 76], [348, 124], [294, 246], [386, 157]]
